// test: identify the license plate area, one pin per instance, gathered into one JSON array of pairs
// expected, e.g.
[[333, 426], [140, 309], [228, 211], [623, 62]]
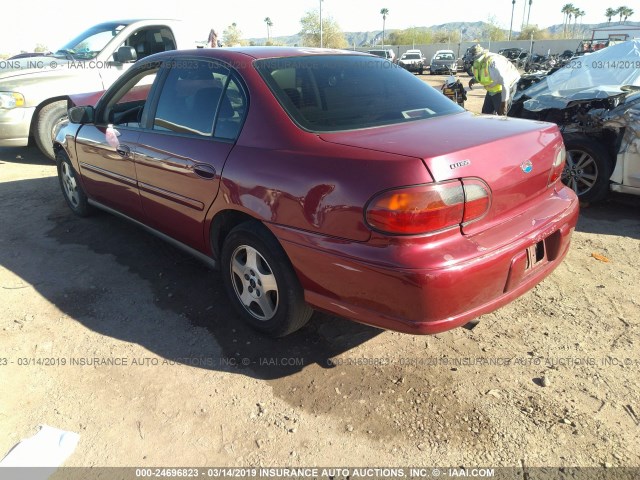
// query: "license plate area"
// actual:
[[536, 254]]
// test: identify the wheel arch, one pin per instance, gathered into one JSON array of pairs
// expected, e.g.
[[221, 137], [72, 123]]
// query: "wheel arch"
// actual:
[[222, 224], [40, 106]]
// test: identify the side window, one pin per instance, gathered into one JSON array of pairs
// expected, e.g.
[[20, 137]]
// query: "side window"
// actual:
[[191, 96], [232, 110], [150, 40], [126, 106]]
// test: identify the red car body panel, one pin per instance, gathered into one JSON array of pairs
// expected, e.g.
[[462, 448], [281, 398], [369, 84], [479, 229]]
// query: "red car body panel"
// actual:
[[310, 190]]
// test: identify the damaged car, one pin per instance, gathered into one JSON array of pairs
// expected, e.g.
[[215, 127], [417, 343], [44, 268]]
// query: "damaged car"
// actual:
[[595, 101]]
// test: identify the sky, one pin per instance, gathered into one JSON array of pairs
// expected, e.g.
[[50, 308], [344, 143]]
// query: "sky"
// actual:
[[53, 28]]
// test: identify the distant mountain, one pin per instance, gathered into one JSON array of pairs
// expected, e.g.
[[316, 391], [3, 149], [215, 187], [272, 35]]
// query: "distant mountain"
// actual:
[[469, 30]]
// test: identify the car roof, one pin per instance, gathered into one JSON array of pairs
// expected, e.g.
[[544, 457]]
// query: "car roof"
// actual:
[[253, 52]]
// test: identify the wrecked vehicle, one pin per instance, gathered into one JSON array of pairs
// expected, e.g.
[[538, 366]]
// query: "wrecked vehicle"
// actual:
[[595, 100]]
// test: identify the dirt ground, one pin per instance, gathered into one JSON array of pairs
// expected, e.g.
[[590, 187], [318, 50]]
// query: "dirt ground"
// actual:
[[553, 379]]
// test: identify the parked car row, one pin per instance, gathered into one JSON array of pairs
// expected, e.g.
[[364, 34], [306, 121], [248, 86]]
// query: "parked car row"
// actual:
[[442, 62]]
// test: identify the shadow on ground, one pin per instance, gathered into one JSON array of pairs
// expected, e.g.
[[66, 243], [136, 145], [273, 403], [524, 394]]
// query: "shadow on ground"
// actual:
[[619, 214], [179, 283]]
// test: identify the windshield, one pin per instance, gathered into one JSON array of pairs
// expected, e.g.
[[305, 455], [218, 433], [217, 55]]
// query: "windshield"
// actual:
[[444, 56], [411, 56], [343, 92], [89, 43]]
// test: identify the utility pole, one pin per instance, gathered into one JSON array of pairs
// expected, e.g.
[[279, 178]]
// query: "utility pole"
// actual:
[[321, 43]]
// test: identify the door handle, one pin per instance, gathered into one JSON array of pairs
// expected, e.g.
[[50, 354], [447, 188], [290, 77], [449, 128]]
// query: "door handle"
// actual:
[[205, 171], [123, 150]]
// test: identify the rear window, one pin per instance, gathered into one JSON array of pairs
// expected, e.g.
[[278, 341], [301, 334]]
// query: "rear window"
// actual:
[[344, 92], [445, 56], [411, 56]]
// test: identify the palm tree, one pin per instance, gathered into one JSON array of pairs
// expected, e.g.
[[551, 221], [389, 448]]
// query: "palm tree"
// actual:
[[578, 13], [513, 6], [611, 12], [384, 12], [569, 15], [269, 23], [627, 13], [566, 9], [529, 14], [620, 11]]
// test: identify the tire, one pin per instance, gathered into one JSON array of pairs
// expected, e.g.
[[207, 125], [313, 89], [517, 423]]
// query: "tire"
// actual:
[[71, 188], [588, 168], [261, 283], [47, 119]]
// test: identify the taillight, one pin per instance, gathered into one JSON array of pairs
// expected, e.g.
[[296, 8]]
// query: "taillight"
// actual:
[[558, 166], [428, 208], [477, 199]]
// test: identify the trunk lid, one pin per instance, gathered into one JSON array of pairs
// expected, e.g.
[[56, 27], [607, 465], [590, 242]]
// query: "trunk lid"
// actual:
[[513, 157]]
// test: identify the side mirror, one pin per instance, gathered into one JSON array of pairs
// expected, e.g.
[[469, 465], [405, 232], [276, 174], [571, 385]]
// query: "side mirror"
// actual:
[[81, 115], [125, 55]]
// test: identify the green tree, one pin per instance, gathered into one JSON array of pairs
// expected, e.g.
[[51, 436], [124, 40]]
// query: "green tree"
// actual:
[[384, 12], [529, 13], [492, 31], [269, 23], [610, 12], [410, 36], [533, 30], [232, 35], [333, 37], [447, 36]]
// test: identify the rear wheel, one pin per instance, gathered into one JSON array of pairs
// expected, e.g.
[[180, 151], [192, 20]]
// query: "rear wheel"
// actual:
[[261, 283], [588, 168], [48, 117]]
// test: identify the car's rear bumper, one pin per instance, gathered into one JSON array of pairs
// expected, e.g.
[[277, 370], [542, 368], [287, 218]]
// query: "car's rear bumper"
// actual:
[[357, 282], [14, 126]]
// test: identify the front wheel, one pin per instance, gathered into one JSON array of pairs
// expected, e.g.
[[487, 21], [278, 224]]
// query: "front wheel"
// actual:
[[71, 189], [261, 283], [588, 169], [48, 118]]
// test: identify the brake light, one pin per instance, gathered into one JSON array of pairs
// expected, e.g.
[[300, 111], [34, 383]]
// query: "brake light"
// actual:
[[558, 166], [428, 208]]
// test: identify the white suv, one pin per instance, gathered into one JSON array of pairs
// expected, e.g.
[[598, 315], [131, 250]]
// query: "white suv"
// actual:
[[412, 60], [386, 53]]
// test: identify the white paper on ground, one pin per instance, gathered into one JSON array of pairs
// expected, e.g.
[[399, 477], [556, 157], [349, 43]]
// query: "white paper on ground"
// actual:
[[50, 447]]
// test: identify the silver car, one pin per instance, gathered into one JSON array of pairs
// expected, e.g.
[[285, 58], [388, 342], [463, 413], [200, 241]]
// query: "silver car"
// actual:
[[444, 62]]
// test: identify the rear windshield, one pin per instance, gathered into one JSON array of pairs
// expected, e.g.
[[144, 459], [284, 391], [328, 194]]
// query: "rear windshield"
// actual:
[[411, 56], [343, 92], [445, 56]]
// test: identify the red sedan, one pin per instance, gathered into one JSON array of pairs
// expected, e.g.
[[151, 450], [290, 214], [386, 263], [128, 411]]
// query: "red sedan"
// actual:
[[329, 180]]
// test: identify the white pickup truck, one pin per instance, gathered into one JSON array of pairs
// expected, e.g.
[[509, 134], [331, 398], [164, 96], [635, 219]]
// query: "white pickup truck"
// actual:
[[33, 90]]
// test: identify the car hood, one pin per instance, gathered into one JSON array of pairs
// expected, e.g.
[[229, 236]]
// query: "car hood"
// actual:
[[593, 76], [32, 65]]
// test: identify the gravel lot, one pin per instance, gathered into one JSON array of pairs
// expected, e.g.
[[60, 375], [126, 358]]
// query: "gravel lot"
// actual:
[[552, 379]]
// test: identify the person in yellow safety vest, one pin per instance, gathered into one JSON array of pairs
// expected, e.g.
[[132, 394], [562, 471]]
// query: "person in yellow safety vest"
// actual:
[[498, 76]]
